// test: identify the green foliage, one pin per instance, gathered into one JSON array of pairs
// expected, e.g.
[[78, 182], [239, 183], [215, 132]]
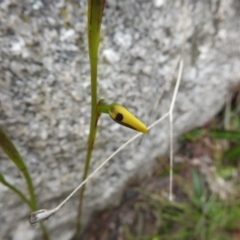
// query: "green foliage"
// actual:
[[13, 154], [232, 136], [197, 184], [14, 189], [193, 135], [95, 12], [11, 151], [233, 152], [199, 213], [225, 134], [198, 216]]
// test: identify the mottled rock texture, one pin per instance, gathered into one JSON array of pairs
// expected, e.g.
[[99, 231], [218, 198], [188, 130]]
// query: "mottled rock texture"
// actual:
[[45, 102]]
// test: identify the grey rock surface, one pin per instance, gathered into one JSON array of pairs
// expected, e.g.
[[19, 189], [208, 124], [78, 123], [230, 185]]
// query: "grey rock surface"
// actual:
[[45, 102]]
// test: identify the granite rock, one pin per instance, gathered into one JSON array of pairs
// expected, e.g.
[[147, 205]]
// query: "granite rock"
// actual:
[[45, 87]]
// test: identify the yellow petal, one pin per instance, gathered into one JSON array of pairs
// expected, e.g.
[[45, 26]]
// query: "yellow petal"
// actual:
[[122, 116]]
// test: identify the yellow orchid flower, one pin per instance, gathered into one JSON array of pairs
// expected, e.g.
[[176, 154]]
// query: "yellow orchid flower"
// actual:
[[122, 116]]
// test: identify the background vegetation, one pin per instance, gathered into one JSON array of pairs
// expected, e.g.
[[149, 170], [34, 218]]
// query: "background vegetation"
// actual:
[[206, 190]]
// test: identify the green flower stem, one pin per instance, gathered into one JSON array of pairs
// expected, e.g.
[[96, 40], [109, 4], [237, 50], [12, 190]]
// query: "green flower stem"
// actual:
[[44, 231], [95, 11], [91, 139], [30, 189]]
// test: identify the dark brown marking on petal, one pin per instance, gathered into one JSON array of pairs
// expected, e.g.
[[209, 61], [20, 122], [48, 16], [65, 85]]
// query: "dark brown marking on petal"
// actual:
[[119, 118]]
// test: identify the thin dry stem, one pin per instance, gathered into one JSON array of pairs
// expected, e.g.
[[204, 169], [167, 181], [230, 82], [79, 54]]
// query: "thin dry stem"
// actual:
[[45, 214], [171, 128]]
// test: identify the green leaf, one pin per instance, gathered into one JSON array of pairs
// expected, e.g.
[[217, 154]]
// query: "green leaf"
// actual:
[[13, 154], [95, 12], [197, 183], [225, 172], [193, 135], [14, 189], [225, 134], [233, 153], [11, 151]]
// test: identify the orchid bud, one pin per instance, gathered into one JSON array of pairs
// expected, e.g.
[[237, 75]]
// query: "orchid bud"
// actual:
[[122, 116]]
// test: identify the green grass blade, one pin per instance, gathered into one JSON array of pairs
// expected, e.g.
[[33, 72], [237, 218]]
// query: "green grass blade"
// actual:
[[13, 154], [197, 183], [233, 153], [11, 151], [14, 189], [225, 134], [193, 135], [95, 12]]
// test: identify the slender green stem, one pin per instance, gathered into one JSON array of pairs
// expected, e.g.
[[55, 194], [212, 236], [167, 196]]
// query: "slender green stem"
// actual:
[[30, 189], [44, 231], [95, 10], [91, 139]]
